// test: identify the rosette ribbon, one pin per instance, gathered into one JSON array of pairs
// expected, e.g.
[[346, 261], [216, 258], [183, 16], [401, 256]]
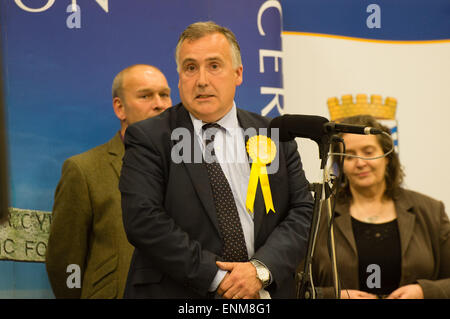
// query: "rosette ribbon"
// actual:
[[262, 150]]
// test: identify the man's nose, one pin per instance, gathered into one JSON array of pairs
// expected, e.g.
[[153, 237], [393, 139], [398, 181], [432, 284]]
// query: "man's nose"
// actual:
[[157, 102], [202, 78]]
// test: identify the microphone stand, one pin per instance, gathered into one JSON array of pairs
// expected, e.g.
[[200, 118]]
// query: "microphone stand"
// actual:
[[322, 192]]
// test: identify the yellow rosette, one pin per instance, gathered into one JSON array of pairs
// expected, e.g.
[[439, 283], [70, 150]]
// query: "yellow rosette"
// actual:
[[262, 150]]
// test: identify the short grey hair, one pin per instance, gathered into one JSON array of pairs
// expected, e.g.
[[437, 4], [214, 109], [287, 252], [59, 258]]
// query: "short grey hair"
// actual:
[[117, 85], [198, 30]]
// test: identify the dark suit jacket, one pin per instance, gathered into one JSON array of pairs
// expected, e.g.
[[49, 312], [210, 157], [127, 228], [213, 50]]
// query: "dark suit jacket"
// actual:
[[425, 246], [87, 228], [170, 218]]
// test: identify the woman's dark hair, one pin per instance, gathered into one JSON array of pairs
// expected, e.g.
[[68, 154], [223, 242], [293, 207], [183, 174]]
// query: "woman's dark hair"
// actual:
[[394, 173]]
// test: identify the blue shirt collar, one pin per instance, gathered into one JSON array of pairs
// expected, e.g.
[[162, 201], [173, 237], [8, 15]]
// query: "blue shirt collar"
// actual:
[[229, 122]]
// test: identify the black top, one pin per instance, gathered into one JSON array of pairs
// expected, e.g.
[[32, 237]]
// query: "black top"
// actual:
[[379, 255]]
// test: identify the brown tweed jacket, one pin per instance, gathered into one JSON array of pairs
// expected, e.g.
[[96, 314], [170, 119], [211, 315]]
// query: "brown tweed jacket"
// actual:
[[87, 228], [424, 230]]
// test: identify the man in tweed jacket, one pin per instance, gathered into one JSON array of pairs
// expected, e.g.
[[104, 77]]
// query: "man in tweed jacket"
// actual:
[[87, 228]]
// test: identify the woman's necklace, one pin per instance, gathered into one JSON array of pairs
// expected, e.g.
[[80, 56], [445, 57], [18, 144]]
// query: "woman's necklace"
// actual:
[[373, 217], [373, 208]]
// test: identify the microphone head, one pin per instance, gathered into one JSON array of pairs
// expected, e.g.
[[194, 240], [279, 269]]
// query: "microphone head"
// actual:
[[279, 123], [373, 130], [306, 126]]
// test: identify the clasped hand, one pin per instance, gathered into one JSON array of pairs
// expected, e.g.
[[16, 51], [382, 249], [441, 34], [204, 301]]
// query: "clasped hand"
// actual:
[[240, 282], [405, 292]]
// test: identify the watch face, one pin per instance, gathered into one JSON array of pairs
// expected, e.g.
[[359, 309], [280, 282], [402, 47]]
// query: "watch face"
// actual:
[[263, 274], [267, 275]]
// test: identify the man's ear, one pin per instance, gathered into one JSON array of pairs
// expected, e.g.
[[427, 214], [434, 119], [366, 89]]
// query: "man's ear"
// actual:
[[119, 108], [239, 75]]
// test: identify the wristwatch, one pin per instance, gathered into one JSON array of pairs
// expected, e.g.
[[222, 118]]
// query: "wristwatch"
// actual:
[[262, 273]]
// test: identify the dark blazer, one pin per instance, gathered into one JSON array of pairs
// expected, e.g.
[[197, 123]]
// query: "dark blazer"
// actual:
[[87, 228], [425, 247], [170, 218]]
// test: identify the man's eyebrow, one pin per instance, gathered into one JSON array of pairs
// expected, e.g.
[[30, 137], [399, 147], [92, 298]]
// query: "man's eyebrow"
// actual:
[[214, 58], [187, 60], [164, 89], [145, 91]]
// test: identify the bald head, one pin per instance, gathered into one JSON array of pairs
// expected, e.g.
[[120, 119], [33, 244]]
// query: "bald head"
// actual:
[[140, 91], [117, 85]]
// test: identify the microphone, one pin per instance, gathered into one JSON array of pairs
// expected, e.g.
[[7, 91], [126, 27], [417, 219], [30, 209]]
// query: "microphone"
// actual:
[[308, 126], [292, 126], [332, 128], [314, 127]]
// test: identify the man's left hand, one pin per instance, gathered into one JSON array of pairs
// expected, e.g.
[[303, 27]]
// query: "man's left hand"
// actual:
[[241, 282]]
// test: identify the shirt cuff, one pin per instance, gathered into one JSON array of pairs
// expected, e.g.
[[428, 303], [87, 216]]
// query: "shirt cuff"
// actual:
[[217, 280]]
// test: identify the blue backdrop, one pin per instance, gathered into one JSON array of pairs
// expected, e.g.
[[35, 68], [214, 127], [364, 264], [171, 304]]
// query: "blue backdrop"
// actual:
[[403, 20]]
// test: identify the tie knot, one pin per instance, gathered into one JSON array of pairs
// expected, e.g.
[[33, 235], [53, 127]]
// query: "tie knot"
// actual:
[[211, 126], [210, 130]]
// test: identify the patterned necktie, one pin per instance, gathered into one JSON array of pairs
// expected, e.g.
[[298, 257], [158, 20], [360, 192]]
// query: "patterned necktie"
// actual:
[[234, 248]]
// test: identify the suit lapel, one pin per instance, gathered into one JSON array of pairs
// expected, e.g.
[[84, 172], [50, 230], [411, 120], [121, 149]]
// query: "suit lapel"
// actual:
[[406, 221], [251, 128], [343, 224], [116, 150], [197, 171]]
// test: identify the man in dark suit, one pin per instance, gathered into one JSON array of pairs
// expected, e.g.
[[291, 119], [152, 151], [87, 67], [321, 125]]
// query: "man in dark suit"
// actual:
[[87, 228], [187, 218]]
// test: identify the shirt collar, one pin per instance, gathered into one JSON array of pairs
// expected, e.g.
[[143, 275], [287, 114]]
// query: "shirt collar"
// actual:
[[229, 122]]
